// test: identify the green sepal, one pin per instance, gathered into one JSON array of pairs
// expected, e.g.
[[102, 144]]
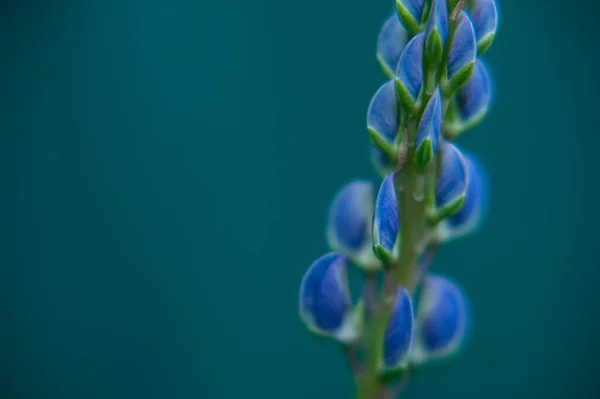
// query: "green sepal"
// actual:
[[406, 101], [383, 145], [410, 24], [434, 50], [485, 43], [451, 209], [388, 375], [424, 154], [450, 86], [386, 257]]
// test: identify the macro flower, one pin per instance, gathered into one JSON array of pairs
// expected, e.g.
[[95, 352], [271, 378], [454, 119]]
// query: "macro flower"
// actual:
[[409, 73], [385, 219], [349, 223], [325, 304], [461, 56], [410, 13], [471, 103], [443, 319], [399, 333], [390, 43], [429, 130], [485, 19], [383, 116], [452, 181], [474, 208]]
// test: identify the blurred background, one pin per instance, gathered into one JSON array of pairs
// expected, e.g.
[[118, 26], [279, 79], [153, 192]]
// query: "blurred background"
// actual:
[[165, 171]]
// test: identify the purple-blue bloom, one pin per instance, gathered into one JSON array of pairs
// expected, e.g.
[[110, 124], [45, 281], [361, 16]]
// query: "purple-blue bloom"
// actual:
[[451, 184], [443, 319], [390, 43], [399, 332], [325, 304], [410, 13], [436, 32], [409, 73], [429, 130], [474, 208], [485, 20], [385, 217], [349, 222], [462, 54], [472, 101]]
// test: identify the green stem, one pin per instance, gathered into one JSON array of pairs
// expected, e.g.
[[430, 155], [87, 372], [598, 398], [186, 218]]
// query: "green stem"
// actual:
[[412, 215], [412, 219]]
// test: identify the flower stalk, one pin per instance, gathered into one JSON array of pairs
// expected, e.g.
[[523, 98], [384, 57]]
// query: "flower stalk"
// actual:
[[432, 193]]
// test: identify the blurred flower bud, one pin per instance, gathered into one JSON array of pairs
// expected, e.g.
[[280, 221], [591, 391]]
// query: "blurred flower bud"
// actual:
[[399, 333], [410, 13], [385, 220], [429, 130], [474, 207], [325, 304], [462, 55], [390, 43], [409, 73], [436, 33], [484, 15], [471, 103], [451, 184], [382, 125], [349, 225], [442, 320]]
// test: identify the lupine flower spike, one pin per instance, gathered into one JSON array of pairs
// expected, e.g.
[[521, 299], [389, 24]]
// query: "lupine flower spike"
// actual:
[[432, 192], [442, 321]]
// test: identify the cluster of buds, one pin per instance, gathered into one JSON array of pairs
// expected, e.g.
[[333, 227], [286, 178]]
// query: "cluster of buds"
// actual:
[[432, 192]]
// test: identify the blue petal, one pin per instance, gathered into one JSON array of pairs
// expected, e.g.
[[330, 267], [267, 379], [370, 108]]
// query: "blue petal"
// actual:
[[485, 20], [349, 226], [442, 320], [324, 298], [350, 213], [390, 43], [472, 101], [385, 217], [409, 74], [399, 332], [451, 184], [437, 22], [382, 114], [463, 53], [410, 13], [474, 209], [430, 127]]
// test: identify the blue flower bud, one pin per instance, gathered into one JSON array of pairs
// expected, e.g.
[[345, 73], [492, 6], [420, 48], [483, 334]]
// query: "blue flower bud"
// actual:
[[474, 208], [443, 320], [452, 181], [485, 20], [462, 54], [385, 219], [472, 102], [325, 305], [349, 226], [410, 13], [390, 43], [436, 32], [429, 130], [399, 332], [382, 124], [409, 74]]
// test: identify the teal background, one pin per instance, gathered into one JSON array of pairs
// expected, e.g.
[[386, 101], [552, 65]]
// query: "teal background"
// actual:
[[166, 167]]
